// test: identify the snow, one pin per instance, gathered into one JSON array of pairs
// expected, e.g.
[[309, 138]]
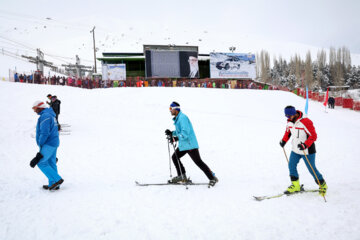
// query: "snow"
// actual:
[[118, 137]]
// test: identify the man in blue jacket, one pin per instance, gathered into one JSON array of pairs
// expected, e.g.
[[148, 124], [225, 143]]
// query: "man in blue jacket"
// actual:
[[188, 144], [47, 138]]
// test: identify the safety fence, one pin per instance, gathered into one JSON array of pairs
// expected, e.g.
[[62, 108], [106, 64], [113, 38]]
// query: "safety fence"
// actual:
[[146, 82], [341, 98]]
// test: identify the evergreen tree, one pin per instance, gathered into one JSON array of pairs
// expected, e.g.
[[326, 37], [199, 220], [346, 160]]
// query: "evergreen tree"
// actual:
[[353, 77]]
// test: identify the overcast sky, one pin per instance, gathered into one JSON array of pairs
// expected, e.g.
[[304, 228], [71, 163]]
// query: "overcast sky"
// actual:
[[62, 28]]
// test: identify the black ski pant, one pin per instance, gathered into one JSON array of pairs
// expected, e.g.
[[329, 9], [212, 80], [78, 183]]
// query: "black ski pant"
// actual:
[[195, 156], [57, 120]]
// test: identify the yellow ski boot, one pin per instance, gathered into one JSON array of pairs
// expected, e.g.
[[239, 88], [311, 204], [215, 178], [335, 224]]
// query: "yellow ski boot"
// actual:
[[294, 187], [323, 188]]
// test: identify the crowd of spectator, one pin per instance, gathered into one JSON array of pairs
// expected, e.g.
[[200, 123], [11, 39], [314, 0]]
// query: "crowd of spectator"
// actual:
[[140, 82], [59, 80]]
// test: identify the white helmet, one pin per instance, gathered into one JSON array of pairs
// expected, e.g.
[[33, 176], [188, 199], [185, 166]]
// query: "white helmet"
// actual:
[[39, 104]]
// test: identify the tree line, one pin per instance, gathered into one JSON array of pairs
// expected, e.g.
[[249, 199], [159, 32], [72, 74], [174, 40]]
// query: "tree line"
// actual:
[[324, 71]]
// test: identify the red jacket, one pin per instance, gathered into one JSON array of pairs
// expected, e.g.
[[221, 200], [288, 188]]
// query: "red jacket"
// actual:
[[302, 131]]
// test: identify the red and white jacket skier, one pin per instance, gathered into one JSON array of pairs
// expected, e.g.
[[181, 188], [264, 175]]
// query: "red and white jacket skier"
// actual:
[[303, 132]]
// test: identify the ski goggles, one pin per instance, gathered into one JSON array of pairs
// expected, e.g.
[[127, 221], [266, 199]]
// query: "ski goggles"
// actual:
[[174, 108], [289, 116]]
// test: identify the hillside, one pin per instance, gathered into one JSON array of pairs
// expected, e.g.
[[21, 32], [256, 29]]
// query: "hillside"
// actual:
[[117, 137]]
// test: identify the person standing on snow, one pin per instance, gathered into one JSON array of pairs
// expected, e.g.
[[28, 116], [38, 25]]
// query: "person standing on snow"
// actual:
[[55, 105], [47, 138], [49, 97], [331, 102], [188, 144], [304, 136]]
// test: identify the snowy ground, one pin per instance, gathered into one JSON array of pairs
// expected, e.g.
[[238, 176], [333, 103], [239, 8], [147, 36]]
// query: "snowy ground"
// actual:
[[118, 137]]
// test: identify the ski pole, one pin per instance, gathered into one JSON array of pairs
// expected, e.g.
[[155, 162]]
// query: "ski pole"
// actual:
[[178, 162], [317, 179], [286, 155], [169, 157]]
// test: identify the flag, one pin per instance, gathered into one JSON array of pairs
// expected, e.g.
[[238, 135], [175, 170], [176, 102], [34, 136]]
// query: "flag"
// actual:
[[326, 97], [307, 101]]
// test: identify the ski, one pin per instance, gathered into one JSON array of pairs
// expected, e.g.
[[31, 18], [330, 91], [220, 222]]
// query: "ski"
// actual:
[[65, 130], [260, 198], [168, 184]]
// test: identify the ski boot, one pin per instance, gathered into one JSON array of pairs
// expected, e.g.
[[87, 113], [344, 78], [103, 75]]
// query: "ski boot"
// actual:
[[213, 181], [323, 188], [57, 184], [46, 187], [294, 187], [179, 179]]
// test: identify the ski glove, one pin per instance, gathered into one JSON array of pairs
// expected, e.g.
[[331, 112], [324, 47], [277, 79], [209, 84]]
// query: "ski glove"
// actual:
[[173, 139], [168, 133], [36, 160], [302, 146], [282, 143]]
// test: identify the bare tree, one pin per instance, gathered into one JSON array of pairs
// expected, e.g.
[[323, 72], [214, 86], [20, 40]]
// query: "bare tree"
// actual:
[[321, 58], [267, 76], [258, 64], [264, 66], [339, 79], [292, 74], [332, 64], [308, 71], [298, 69]]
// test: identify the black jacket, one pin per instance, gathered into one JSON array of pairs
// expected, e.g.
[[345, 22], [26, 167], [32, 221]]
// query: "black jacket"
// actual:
[[56, 106]]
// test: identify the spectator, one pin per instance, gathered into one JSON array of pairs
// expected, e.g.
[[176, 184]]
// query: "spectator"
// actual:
[[55, 105], [331, 102], [16, 77]]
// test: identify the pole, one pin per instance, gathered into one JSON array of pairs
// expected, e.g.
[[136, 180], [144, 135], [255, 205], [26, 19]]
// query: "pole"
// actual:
[[286, 155], [313, 172], [178, 162], [169, 157], [93, 32]]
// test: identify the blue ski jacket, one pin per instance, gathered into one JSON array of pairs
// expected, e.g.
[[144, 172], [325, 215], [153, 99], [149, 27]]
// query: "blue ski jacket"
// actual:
[[47, 132], [185, 132]]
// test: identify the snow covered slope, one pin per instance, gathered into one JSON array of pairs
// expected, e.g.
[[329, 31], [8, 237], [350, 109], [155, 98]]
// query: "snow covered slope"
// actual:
[[118, 137]]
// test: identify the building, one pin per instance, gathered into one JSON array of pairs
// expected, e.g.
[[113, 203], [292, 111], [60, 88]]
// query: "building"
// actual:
[[135, 62]]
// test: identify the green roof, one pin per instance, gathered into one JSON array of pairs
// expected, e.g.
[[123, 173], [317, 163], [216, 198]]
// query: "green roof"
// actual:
[[121, 59]]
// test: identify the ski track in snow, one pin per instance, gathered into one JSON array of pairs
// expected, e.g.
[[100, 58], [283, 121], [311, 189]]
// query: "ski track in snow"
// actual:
[[118, 137]]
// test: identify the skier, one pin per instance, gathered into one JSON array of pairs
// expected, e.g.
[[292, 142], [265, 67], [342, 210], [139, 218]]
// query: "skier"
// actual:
[[304, 135], [188, 144], [47, 138], [55, 105]]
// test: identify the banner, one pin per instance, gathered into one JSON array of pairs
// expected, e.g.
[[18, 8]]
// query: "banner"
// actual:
[[232, 65], [114, 72], [171, 63]]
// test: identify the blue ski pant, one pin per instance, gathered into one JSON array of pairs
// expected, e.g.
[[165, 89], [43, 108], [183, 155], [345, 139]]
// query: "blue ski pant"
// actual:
[[48, 164], [294, 160]]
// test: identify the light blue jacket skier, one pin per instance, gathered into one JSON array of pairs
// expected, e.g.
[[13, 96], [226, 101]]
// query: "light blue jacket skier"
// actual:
[[185, 132]]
